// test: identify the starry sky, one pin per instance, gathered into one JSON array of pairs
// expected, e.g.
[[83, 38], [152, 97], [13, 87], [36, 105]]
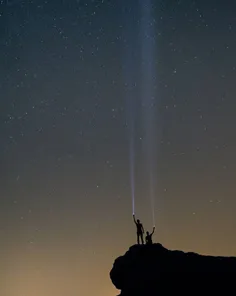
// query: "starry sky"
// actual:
[[95, 94]]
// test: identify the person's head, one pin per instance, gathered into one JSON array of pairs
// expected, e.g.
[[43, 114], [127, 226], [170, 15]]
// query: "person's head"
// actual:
[[138, 221], [147, 233]]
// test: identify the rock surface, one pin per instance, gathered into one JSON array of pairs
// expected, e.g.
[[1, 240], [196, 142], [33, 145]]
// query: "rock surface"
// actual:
[[155, 270]]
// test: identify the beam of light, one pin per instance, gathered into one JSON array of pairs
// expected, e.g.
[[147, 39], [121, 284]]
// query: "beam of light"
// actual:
[[147, 36], [130, 109], [128, 73], [152, 197], [131, 155]]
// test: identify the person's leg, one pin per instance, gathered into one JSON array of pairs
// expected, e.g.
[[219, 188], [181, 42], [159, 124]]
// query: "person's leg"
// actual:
[[138, 238], [142, 238]]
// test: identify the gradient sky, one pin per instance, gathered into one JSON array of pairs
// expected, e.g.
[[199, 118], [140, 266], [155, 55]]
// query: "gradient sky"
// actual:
[[67, 71]]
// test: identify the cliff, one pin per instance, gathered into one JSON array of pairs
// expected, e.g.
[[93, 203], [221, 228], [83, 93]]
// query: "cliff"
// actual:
[[154, 270]]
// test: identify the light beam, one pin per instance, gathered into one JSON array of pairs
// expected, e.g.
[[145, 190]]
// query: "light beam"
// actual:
[[128, 71], [147, 41]]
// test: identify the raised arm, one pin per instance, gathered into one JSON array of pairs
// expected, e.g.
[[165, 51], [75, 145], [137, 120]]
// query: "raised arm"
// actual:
[[153, 230], [134, 219]]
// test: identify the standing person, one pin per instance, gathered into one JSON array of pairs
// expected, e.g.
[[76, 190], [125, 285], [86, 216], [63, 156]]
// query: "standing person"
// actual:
[[140, 230], [149, 237]]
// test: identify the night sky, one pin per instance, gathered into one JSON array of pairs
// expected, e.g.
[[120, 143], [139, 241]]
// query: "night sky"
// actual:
[[90, 90]]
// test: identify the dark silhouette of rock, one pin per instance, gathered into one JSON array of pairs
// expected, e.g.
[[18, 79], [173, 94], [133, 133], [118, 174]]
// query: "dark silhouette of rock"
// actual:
[[148, 270]]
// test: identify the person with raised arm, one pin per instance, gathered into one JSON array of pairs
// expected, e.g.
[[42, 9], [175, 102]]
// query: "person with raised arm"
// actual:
[[149, 237], [140, 230]]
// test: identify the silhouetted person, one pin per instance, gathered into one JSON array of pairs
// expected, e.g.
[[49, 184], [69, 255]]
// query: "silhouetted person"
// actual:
[[140, 230], [149, 237]]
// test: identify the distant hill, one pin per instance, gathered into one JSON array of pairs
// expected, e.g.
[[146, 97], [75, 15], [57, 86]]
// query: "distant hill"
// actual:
[[154, 270]]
